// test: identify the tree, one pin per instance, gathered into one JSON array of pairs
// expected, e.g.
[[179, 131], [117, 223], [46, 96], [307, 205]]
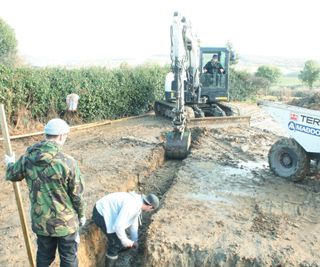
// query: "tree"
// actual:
[[243, 85], [310, 73], [8, 44], [270, 73]]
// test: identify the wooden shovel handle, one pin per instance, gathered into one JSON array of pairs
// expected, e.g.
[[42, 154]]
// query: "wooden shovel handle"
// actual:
[[16, 188]]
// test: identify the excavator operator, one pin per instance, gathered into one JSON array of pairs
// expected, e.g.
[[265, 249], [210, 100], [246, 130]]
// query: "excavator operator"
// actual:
[[213, 66], [213, 71]]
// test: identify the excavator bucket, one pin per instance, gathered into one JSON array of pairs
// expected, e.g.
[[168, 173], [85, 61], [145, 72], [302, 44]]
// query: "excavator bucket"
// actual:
[[177, 145]]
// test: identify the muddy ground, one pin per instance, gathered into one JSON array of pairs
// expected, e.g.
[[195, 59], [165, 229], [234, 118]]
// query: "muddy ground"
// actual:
[[219, 207]]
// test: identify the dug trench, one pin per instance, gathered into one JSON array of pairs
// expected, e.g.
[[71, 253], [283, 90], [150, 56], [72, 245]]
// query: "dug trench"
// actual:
[[111, 158], [156, 176], [219, 207], [92, 250], [223, 207]]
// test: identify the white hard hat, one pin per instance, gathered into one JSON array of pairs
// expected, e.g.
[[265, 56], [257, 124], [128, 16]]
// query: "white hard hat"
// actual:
[[56, 127]]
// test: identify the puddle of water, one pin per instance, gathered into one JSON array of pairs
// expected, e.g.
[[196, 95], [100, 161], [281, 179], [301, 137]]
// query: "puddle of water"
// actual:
[[210, 197], [252, 165], [234, 171], [228, 185], [228, 177], [218, 183], [243, 168], [236, 193]]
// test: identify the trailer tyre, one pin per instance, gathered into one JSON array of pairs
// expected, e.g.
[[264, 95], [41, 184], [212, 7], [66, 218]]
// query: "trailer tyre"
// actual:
[[289, 160]]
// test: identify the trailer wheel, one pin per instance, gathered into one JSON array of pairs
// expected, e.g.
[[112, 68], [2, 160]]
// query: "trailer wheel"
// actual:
[[288, 159]]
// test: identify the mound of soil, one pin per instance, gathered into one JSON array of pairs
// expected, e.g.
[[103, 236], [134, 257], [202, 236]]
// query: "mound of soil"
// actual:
[[310, 102]]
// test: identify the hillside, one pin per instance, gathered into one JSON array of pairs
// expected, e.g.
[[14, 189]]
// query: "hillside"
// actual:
[[249, 62]]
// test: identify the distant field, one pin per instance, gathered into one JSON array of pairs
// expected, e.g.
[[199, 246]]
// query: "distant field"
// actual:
[[289, 81], [293, 81]]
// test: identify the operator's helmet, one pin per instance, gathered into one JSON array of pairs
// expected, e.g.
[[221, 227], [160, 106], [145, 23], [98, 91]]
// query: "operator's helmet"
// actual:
[[214, 56], [56, 127]]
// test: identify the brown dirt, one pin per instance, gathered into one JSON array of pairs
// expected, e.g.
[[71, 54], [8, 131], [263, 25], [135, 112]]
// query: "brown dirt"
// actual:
[[219, 207], [311, 102], [23, 122]]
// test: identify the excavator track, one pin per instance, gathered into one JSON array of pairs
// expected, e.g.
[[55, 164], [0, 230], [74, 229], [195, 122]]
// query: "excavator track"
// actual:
[[163, 108]]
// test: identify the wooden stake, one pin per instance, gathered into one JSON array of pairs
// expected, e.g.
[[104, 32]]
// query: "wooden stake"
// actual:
[[80, 127], [16, 188]]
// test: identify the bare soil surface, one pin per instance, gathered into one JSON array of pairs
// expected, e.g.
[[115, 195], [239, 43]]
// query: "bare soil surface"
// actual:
[[112, 158], [219, 207]]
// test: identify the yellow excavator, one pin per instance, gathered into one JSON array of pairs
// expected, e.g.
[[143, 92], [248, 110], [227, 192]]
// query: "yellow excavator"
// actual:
[[196, 89]]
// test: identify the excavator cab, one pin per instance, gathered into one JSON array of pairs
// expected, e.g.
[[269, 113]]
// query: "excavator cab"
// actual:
[[215, 80]]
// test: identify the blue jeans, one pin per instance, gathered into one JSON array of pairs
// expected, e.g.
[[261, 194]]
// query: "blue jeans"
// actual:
[[67, 247]]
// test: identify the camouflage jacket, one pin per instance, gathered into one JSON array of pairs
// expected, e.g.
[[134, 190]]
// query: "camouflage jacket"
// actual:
[[55, 188]]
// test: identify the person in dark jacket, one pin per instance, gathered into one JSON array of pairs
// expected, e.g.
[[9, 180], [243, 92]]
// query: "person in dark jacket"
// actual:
[[213, 66], [56, 195]]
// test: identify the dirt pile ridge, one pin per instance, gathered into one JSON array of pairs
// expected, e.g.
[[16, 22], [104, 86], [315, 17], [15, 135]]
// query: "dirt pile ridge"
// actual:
[[310, 102]]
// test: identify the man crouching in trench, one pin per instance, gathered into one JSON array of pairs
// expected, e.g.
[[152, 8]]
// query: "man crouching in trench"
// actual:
[[116, 212]]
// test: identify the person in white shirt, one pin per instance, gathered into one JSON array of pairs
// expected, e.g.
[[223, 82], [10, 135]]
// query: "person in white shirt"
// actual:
[[72, 102], [116, 212]]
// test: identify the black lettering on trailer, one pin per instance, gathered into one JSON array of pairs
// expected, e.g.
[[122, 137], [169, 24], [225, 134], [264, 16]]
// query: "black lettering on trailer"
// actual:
[[309, 120], [316, 121]]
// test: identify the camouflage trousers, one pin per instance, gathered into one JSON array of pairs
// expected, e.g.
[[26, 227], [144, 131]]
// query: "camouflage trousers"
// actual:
[[67, 247], [114, 244]]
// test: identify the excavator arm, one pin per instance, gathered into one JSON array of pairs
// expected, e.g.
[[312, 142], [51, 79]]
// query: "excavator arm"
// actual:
[[178, 66], [185, 70], [189, 94]]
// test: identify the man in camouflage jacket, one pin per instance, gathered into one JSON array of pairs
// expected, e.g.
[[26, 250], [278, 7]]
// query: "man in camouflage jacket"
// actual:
[[56, 195]]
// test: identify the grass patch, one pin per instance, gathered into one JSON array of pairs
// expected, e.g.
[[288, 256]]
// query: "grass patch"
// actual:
[[289, 81], [294, 82]]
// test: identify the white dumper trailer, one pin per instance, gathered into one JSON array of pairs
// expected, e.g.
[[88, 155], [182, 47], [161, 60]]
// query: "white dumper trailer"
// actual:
[[290, 157]]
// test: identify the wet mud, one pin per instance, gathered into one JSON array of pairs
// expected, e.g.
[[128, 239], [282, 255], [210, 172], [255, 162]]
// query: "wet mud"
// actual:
[[219, 207], [227, 209]]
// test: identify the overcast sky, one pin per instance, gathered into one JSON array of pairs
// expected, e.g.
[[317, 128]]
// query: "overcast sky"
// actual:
[[65, 30]]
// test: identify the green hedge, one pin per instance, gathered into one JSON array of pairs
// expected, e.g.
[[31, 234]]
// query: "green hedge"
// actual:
[[104, 93], [244, 85]]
